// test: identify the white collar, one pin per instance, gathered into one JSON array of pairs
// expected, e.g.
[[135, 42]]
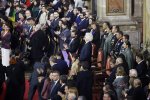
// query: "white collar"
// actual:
[[119, 76], [140, 61]]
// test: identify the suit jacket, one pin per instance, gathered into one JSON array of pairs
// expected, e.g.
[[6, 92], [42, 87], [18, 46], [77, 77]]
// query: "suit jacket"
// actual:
[[77, 20], [142, 72], [57, 5], [70, 15], [83, 24], [139, 93], [34, 75], [84, 84], [38, 43], [53, 27], [54, 89], [86, 52], [54, 24], [142, 69], [64, 34], [96, 37], [16, 84], [62, 89], [61, 66], [129, 57], [74, 45]]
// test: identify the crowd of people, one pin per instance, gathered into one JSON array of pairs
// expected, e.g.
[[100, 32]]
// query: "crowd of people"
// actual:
[[60, 39]]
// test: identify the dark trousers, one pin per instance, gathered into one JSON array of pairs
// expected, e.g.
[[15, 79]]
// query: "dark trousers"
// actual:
[[32, 89]]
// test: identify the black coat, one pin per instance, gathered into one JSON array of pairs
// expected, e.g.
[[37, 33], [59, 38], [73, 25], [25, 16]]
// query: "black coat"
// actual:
[[54, 90], [38, 43], [84, 84], [61, 66], [86, 52], [142, 71], [16, 82], [96, 37], [139, 94], [74, 45]]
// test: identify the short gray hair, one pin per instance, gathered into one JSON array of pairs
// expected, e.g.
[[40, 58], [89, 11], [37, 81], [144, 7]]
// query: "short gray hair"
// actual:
[[89, 36], [133, 73]]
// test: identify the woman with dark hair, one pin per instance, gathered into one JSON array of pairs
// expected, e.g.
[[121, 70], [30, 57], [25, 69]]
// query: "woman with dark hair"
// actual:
[[5, 48]]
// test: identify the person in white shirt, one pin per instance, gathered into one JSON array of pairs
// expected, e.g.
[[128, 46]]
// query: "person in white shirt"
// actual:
[[43, 16]]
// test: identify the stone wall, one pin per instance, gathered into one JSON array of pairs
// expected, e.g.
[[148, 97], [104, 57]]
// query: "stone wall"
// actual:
[[131, 23]]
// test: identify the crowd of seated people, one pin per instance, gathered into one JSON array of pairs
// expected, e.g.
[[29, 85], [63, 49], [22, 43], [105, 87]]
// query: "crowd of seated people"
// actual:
[[59, 38]]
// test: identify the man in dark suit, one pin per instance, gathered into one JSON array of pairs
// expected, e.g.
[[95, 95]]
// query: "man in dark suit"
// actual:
[[69, 16], [64, 36], [86, 51], [74, 43], [82, 26], [54, 25], [78, 19], [38, 43], [141, 69], [55, 86], [96, 34]]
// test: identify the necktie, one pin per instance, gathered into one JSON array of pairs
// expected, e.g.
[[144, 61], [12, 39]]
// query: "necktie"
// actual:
[[53, 85]]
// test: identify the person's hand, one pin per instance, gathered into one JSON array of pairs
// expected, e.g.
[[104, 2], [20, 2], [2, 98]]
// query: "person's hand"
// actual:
[[59, 93]]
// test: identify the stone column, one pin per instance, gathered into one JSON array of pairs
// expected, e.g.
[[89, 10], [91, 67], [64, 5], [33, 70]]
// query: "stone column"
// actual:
[[146, 21]]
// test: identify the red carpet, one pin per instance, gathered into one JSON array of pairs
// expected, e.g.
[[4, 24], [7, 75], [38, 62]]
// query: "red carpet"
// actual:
[[96, 94], [25, 95]]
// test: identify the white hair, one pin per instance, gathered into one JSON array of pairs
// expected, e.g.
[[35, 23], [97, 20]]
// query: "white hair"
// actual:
[[133, 73], [88, 36]]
